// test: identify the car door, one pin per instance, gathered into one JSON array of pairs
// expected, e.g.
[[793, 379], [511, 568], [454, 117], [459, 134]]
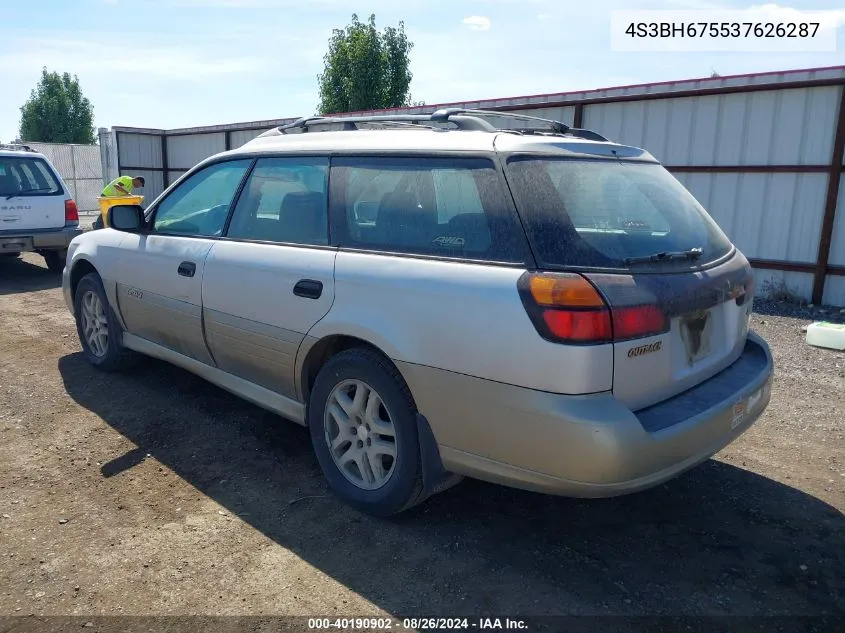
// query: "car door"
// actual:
[[272, 277], [160, 272]]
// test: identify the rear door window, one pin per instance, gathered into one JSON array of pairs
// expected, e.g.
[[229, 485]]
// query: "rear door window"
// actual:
[[611, 214], [284, 200], [444, 207]]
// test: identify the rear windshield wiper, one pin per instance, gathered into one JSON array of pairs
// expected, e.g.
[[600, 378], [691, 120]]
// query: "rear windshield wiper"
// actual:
[[665, 256], [26, 191]]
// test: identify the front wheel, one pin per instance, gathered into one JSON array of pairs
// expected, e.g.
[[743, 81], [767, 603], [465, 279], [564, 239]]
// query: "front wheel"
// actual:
[[363, 427], [99, 331]]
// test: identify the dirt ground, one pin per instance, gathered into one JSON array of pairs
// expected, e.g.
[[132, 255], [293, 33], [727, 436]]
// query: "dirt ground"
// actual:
[[152, 492]]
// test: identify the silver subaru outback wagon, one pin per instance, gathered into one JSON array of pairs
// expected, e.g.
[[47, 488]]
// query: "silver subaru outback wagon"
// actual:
[[435, 297]]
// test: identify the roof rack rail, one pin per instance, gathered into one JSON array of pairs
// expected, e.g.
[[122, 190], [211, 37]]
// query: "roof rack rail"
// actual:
[[462, 118], [573, 131], [446, 114], [17, 147], [353, 122]]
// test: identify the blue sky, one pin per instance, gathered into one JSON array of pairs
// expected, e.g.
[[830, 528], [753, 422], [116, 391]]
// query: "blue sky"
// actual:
[[180, 63]]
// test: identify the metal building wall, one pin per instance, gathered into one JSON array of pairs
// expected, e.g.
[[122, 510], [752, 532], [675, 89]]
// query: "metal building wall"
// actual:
[[835, 284], [185, 151], [760, 152], [565, 114], [140, 150], [242, 137], [783, 127], [139, 153]]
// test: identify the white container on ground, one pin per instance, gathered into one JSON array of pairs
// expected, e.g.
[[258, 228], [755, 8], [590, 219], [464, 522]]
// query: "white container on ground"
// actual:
[[824, 334]]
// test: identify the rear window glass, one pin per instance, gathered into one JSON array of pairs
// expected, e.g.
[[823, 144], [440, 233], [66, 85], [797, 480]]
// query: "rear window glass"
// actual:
[[428, 206], [21, 176], [601, 213]]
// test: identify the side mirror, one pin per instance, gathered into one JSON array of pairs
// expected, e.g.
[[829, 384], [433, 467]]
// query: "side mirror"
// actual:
[[126, 217]]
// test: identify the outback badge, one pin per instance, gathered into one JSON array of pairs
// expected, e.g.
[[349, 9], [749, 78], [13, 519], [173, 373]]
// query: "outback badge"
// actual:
[[645, 349]]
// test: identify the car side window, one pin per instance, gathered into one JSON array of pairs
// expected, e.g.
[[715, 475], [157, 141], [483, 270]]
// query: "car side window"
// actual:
[[456, 193], [444, 207], [285, 200], [199, 206]]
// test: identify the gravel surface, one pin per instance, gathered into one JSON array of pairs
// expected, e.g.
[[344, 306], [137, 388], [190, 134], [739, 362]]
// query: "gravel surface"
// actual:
[[153, 492]]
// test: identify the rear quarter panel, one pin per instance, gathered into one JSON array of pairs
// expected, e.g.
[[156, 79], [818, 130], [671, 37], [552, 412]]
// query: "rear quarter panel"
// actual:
[[460, 317]]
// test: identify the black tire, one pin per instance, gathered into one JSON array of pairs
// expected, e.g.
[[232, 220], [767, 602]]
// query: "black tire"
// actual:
[[98, 223], [404, 486], [116, 356], [55, 260]]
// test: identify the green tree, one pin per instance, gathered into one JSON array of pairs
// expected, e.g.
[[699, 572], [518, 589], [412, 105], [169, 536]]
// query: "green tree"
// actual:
[[365, 69], [57, 112]]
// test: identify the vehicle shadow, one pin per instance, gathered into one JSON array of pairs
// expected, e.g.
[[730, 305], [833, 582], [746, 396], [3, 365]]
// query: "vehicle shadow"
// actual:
[[719, 540], [23, 274]]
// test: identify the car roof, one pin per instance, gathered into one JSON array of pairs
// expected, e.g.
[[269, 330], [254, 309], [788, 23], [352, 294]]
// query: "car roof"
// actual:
[[427, 139], [24, 153]]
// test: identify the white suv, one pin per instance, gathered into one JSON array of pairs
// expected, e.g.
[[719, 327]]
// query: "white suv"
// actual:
[[434, 297], [37, 212]]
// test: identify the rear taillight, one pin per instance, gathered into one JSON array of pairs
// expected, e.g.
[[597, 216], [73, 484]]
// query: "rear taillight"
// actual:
[[566, 308], [637, 322], [71, 212]]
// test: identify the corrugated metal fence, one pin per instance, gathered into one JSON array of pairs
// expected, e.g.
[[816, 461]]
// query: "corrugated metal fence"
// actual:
[[763, 153], [80, 168]]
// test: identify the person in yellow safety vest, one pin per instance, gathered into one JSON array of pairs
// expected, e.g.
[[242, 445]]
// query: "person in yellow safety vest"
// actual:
[[122, 186]]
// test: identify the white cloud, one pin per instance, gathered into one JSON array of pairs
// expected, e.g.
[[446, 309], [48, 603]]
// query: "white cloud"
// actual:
[[478, 22]]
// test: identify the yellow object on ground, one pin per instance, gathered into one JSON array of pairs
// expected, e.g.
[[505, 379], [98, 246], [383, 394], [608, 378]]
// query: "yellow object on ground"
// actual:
[[111, 201]]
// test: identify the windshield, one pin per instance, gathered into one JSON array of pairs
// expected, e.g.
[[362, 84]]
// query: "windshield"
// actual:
[[611, 214], [26, 176]]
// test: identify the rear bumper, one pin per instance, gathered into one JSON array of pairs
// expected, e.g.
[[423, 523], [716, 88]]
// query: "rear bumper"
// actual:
[[38, 240], [587, 446]]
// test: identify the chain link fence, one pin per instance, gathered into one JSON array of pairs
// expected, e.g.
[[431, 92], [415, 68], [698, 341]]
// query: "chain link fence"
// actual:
[[80, 167]]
